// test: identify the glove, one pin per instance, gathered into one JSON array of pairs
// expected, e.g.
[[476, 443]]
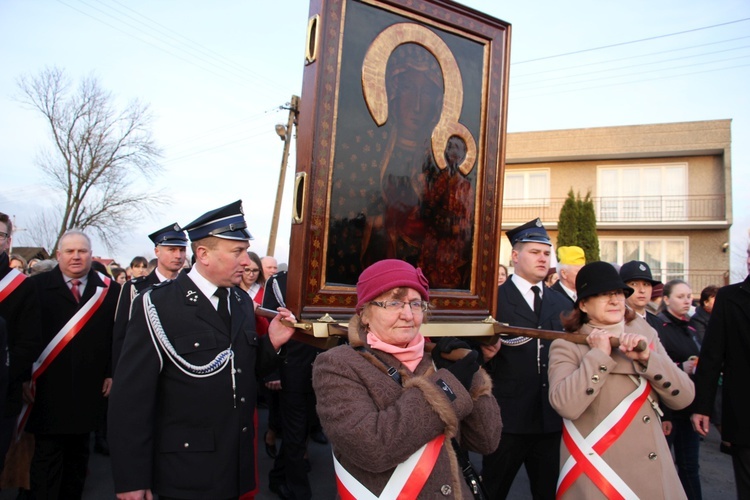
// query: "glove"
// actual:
[[444, 346], [465, 368]]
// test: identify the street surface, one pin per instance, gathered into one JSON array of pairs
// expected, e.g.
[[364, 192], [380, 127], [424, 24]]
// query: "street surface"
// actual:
[[716, 473]]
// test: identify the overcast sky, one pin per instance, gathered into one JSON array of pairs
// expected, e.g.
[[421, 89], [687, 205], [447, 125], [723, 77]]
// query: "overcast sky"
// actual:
[[215, 75]]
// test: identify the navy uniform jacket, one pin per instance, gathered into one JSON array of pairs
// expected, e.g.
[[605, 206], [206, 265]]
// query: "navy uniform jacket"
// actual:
[[726, 347], [520, 382], [122, 316], [178, 435], [21, 312], [68, 397]]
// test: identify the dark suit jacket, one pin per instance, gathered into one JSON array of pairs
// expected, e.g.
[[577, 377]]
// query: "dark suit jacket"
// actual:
[[180, 435], [726, 347], [68, 397], [520, 381], [559, 289], [122, 316], [21, 312]]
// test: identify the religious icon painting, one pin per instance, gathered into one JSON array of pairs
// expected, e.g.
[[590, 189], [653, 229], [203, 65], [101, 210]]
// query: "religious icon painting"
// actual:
[[400, 152]]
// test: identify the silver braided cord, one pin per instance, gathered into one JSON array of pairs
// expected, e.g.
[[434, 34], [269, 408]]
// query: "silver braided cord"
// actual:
[[158, 336], [516, 341]]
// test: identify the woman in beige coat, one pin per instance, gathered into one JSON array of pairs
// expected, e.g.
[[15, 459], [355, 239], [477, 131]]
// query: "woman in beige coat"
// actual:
[[390, 408], [613, 445]]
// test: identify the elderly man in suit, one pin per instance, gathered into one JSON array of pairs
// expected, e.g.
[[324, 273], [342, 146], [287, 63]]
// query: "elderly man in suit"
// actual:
[[570, 260], [518, 367], [183, 401], [72, 375]]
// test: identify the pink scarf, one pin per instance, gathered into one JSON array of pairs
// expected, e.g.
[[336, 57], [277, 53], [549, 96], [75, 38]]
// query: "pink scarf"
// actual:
[[409, 356]]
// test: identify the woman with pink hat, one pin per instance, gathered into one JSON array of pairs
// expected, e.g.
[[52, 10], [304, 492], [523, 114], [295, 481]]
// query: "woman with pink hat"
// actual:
[[392, 410]]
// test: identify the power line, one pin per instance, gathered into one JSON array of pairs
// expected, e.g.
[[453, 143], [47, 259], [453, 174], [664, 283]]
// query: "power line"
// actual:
[[632, 41]]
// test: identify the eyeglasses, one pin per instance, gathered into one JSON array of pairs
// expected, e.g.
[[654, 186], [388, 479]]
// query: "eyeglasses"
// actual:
[[252, 271], [417, 306], [3, 235], [607, 296]]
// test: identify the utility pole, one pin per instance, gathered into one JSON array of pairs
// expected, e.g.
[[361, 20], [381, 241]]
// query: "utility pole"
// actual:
[[286, 136]]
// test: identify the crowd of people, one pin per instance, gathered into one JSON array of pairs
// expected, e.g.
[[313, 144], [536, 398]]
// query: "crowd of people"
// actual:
[[166, 361]]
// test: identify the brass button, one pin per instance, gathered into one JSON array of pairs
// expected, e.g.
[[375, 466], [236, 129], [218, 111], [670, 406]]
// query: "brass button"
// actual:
[[667, 385], [657, 377], [239, 370], [242, 400], [590, 391], [186, 445], [652, 456], [197, 345], [244, 429], [646, 419], [602, 368], [595, 379], [446, 490], [675, 392]]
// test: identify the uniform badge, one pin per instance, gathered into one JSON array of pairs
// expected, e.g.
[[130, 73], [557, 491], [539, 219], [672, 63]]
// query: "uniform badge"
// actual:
[[642, 267], [538, 223], [237, 296], [192, 296]]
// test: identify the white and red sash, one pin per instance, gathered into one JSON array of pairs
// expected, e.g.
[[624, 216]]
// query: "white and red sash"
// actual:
[[406, 482], [10, 282], [62, 339], [586, 453]]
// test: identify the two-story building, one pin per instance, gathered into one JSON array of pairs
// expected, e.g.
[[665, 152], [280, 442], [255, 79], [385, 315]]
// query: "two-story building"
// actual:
[[662, 192]]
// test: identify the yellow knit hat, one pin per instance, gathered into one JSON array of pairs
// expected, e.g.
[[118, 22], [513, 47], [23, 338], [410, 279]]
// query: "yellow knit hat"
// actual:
[[572, 256]]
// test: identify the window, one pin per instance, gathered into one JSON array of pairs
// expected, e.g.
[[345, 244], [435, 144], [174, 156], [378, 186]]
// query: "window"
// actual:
[[526, 187], [642, 192], [667, 257]]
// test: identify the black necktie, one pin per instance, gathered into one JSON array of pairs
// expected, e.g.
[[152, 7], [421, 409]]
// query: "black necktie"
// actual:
[[223, 308], [537, 300]]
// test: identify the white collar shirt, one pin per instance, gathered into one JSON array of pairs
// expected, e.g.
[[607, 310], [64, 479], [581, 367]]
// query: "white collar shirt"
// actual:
[[525, 288]]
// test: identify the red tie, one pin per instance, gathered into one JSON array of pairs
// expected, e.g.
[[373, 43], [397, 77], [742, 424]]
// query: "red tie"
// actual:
[[74, 289]]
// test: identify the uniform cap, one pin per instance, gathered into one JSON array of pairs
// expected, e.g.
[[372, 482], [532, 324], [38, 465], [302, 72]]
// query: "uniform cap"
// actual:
[[531, 232], [226, 222], [637, 270], [170, 236]]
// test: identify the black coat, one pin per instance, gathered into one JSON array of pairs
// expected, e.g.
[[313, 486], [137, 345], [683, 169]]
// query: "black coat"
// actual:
[[680, 342], [296, 371], [520, 381], [726, 347], [171, 432], [122, 316], [68, 397], [557, 286], [21, 312]]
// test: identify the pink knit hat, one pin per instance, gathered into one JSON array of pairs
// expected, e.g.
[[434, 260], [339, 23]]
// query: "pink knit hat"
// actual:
[[386, 275]]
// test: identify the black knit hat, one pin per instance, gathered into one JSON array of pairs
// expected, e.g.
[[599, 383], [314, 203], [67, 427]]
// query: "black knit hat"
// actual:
[[599, 277]]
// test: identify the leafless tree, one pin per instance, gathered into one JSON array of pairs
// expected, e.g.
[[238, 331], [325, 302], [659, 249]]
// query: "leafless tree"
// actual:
[[97, 152]]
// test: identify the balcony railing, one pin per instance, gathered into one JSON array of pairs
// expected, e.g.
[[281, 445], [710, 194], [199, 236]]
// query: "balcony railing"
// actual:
[[629, 209]]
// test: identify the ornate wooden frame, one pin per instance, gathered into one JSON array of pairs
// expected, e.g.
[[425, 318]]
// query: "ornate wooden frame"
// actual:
[[472, 53]]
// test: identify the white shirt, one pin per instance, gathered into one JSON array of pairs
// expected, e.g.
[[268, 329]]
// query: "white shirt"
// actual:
[[81, 287], [207, 288], [161, 277], [571, 293], [525, 288]]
